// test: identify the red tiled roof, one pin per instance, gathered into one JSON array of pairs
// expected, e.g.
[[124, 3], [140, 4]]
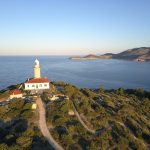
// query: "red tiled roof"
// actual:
[[15, 92], [37, 80]]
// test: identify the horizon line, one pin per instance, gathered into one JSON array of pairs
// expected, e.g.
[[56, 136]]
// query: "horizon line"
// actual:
[[1, 55]]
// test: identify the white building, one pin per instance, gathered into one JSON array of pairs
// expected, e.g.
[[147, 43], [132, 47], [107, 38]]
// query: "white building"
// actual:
[[38, 82], [34, 106], [15, 94], [54, 98]]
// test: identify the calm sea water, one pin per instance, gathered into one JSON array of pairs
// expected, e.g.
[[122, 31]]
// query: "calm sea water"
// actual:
[[82, 73]]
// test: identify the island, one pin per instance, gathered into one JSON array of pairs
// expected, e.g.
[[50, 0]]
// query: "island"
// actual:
[[77, 119], [136, 54]]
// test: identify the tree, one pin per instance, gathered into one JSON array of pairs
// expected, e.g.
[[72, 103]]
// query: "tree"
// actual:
[[120, 91], [101, 90]]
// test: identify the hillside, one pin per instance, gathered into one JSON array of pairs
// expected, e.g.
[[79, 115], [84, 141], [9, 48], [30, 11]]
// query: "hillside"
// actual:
[[120, 118], [142, 53], [136, 54], [18, 127], [90, 56], [81, 119]]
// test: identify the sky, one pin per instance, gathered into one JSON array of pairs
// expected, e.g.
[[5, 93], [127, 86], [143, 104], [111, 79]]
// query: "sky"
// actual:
[[73, 27]]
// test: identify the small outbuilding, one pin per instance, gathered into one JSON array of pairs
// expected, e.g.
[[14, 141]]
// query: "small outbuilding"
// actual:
[[34, 106], [71, 112], [15, 94], [54, 98]]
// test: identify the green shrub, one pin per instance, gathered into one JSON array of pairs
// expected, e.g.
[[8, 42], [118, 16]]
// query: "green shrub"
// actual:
[[24, 141]]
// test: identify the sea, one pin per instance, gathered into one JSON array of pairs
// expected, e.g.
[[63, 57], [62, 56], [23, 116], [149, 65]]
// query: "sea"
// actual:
[[110, 74]]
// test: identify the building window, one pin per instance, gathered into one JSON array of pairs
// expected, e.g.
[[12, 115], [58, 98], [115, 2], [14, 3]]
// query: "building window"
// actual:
[[40, 85], [33, 85], [28, 86], [45, 85]]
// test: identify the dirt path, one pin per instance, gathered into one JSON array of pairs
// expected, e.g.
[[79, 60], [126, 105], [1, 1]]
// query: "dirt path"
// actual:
[[84, 125], [96, 132], [81, 121], [43, 125]]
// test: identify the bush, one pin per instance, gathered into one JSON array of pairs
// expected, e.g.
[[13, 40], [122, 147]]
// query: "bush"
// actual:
[[66, 139], [16, 104], [24, 141], [120, 91], [4, 147]]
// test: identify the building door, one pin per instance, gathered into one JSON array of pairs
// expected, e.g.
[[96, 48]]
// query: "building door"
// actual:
[[37, 86]]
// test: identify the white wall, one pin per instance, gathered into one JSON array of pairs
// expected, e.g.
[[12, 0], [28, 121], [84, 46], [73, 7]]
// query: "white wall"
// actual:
[[16, 96], [34, 86]]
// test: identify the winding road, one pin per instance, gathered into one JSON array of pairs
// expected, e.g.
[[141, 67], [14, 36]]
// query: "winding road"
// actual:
[[43, 125]]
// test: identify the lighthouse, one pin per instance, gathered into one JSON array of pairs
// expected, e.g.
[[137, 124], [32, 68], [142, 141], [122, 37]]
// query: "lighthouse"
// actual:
[[37, 82], [37, 73]]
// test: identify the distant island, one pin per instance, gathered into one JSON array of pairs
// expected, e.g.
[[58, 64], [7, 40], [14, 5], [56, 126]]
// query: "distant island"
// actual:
[[135, 54]]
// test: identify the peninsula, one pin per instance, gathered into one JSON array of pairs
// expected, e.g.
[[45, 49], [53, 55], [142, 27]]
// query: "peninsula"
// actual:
[[135, 54]]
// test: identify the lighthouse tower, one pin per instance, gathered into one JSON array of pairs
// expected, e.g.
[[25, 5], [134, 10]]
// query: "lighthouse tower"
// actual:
[[37, 73], [37, 83]]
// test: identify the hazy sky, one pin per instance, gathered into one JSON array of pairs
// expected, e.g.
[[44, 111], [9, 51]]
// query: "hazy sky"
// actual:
[[56, 27]]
